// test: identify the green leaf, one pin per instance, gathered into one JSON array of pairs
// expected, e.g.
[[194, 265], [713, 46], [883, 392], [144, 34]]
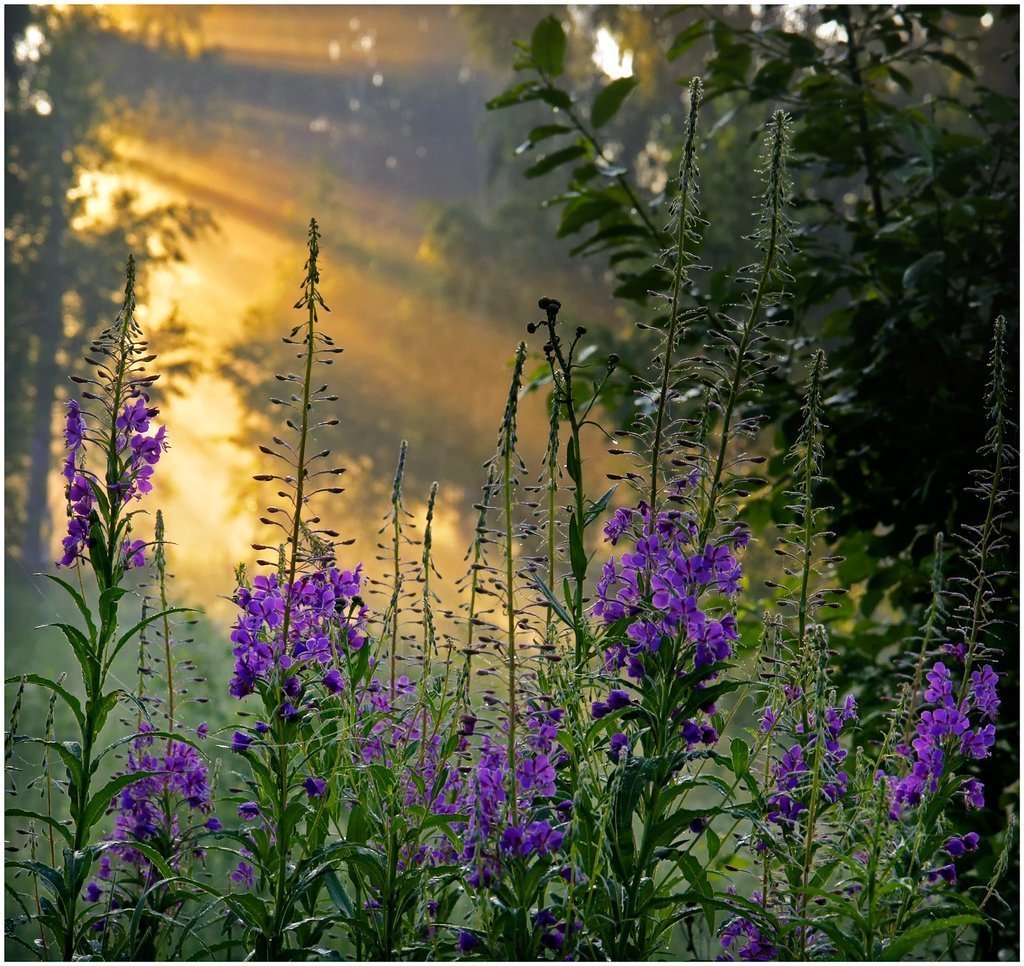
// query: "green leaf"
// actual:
[[547, 46], [70, 753], [250, 909], [108, 604], [740, 756], [80, 603], [556, 97], [685, 39], [69, 699], [721, 34], [549, 596], [953, 62], [583, 211], [551, 161], [128, 635], [596, 509], [544, 131], [338, 894], [771, 80], [80, 645], [714, 842], [572, 461], [627, 785], [924, 270], [906, 943], [577, 555], [51, 877], [48, 820], [609, 238], [519, 94], [357, 831], [609, 100]]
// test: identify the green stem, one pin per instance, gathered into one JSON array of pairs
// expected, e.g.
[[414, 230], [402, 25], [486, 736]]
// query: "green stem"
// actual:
[[511, 658], [734, 387], [677, 282], [773, 204], [280, 725]]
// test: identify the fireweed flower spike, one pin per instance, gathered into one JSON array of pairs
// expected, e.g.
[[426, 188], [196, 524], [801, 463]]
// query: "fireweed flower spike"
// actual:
[[127, 443], [685, 230], [297, 625], [510, 467], [159, 817], [113, 449], [565, 364], [746, 344]]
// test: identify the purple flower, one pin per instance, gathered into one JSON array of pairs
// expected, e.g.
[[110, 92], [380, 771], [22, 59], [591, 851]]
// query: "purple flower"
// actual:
[[983, 691], [147, 449], [289, 712], [599, 709], [315, 787], [538, 774], [159, 804], [467, 942], [213, 824], [136, 416], [957, 651], [940, 684], [618, 744], [618, 699], [973, 792], [240, 741], [93, 893], [947, 873], [333, 681], [249, 811], [618, 525], [203, 730], [512, 840], [957, 847], [742, 940], [708, 735], [74, 426], [975, 744], [541, 838], [133, 554], [244, 875]]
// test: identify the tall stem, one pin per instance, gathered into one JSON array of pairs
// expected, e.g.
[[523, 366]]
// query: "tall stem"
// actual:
[[511, 652], [686, 172], [282, 843], [506, 451], [769, 266], [396, 538]]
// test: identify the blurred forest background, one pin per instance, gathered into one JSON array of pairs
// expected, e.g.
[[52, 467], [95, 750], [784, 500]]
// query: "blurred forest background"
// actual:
[[203, 138]]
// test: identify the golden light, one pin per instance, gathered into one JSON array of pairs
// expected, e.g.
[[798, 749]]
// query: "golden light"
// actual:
[[608, 57]]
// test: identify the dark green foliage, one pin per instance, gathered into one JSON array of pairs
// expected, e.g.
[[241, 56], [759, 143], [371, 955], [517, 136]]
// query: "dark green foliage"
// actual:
[[905, 163]]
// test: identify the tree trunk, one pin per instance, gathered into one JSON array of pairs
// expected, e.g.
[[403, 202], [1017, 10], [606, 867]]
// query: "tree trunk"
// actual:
[[49, 334]]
